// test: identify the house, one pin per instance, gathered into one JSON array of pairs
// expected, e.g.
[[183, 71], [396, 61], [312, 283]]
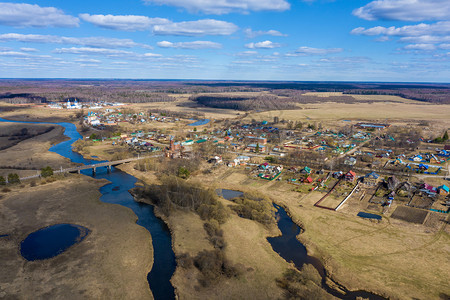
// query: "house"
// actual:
[[215, 160], [256, 148], [417, 158], [350, 176], [350, 161], [308, 180], [371, 179], [443, 190], [306, 170]]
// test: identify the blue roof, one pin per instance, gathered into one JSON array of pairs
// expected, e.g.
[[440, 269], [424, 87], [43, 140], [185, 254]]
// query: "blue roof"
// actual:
[[372, 174], [444, 187]]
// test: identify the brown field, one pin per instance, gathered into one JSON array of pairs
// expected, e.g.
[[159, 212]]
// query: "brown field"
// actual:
[[361, 254], [31, 154], [112, 262], [246, 245], [409, 214], [361, 111]]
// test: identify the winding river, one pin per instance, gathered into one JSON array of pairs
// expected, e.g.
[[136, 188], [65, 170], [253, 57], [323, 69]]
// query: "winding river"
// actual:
[[116, 192], [292, 250]]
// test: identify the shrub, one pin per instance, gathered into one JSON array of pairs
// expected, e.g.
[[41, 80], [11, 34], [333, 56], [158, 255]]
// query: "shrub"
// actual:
[[183, 173], [46, 172], [254, 208], [213, 264], [185, 261], [13, 178], [215, 234], [2, 180]]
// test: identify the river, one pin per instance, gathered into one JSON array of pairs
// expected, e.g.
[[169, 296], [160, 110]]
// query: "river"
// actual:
[[117, 192]]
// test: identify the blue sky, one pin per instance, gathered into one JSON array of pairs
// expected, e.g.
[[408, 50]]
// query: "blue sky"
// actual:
[[330, 40]]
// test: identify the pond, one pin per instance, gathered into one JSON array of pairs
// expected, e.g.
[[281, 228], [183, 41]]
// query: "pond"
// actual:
[[199, 122], [51, 241], [116, 192], [228, 194]]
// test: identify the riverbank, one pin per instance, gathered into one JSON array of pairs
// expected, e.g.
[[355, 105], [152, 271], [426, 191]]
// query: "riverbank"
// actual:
[[246, 247], [112, 262], [391, 258]]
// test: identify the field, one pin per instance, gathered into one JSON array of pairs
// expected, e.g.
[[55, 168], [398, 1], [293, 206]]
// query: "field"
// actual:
[[358, 253], [260, 263], [30, 155], [409, 214], [103, 265]]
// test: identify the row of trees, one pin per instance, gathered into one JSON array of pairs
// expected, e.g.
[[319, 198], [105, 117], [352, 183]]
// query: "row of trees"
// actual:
[[13, 178]]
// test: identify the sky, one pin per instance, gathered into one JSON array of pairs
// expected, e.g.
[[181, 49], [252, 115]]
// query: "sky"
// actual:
[[295, 40]]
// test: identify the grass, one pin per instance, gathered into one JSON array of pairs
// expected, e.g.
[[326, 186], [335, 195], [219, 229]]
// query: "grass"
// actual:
[[103, 264], [361, 254]]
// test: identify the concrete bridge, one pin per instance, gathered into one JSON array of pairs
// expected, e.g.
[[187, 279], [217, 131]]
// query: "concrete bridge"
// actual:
[[93, 167]]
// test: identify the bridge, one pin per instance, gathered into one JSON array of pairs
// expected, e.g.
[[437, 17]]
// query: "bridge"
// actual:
[[93, 167]]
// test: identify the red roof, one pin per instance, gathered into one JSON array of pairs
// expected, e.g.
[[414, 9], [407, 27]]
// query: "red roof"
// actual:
[[309, 179], [351, 173]]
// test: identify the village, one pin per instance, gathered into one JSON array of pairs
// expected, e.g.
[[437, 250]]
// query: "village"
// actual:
[[376, 169]]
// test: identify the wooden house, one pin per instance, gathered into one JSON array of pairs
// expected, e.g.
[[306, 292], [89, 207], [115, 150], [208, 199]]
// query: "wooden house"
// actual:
[[371, 179], [350, 176], [443, 190]]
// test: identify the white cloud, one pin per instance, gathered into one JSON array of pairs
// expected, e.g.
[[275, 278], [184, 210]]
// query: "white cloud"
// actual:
[[26, 49], [263, 45], [190, 45], [445, 46], [123, 22], [439, 28], [91, 51], [196, 28], [249, 33], [88, 60], [424, 47], [29, 15], [405, 10], [225, 6], [87, 41], [425, 39], [317, 51]]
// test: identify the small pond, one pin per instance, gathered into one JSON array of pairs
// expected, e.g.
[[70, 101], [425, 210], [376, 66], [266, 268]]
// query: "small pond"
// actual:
[[51, 241], [199, 122], [368, 216], [229, 194]]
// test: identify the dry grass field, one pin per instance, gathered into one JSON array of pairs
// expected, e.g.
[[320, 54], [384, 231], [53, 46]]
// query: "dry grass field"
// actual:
[[394, 258], [30, 155], [246, 245], [112, 262]]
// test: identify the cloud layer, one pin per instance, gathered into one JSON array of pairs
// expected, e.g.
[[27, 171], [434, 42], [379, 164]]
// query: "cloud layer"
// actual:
[[123, 22], [220, 7], [28, 15], [263, 45], [190, 45], [405, 10], [196, 28], [87, 41]]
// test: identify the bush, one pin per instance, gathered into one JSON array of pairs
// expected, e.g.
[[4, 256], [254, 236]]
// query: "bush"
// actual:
[[6, 190], [178, 193], [254, 208], [46, 172], [2, 180], [183, 173], [13, 178], [185, 261], [215, 234], [213, 264]]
